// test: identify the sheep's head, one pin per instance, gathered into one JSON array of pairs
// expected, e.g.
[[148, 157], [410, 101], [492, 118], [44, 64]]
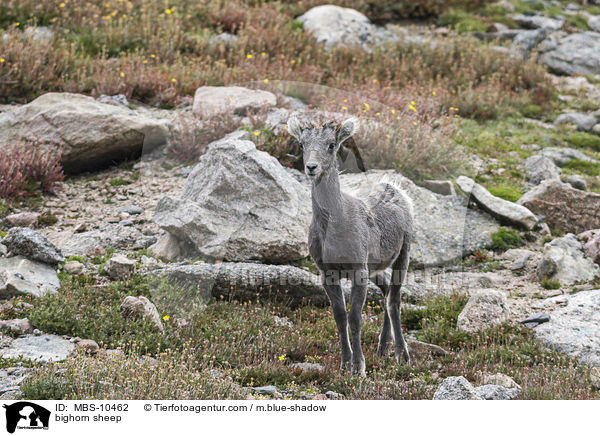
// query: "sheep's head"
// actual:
[[320, 144]]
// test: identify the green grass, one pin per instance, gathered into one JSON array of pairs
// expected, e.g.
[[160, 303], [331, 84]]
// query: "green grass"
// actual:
[[550, 284], [584, 140], [506, 192], [583, 167], [118, 181], [505, 239], [461, 21]]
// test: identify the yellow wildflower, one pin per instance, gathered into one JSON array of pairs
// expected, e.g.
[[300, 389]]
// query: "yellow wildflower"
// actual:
[[266, 80], [169, 11], [282, 357], [263, 54], [256, 132], [166, 318], [249, 56], [432, 92], [2, 60], [344, 108], [367, 107], [62, 5], [122, 74], [174, 80]]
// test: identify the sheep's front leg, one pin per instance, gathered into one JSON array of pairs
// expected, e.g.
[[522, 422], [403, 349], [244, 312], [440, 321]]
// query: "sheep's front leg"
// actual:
[[357, 302], [338, 306]]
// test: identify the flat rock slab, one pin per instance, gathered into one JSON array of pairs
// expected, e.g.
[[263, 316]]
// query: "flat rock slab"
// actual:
[[575, 328], [43, 348], [33, 245], [21, 276]]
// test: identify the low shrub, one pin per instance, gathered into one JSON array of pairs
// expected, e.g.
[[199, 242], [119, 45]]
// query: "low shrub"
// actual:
[[27, 167], [505, 239], [585, 140], [550, 284]]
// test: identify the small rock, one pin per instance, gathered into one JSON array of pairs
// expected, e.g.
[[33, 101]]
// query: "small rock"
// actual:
[[266, 390], [167, 247], [500, 379], [126, 223], [334, 395], [80, 228], [19, 325], [562, 155], [536, 319], [24, 219], [540, 168], [131, 210], [215, 100], [141, 307], [485, 308], [442, 187], [88, 345], [595, 377], [456, 388], [282, 321], [33, 245], [226, 39], [577, 182], [537, 22], [307, 366], [583, 122], [119, 267], [73, 267], [495, 392], [564, 260], [421, 350], [591, 247]]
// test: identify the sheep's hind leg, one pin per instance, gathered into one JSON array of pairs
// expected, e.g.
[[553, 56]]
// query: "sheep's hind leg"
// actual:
[[385, 337], [338, 307], [399, 270]]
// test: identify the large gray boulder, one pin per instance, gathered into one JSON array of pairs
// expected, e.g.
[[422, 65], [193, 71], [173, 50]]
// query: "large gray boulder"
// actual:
[[216, 100], [505, 211], [332, 25], [578, 53], [573, 329], [485, 308], [21, 276], [33, 245], [563, 206], [445, 229], [525, 41], [92, 133], [239, 203], [564, 260], [456, 388]]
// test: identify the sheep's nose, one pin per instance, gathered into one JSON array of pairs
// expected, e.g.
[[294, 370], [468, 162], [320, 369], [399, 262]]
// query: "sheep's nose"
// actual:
[[311, 167]]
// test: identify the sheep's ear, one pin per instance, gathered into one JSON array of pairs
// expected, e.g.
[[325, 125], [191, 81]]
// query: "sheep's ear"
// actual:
[[293, 127], [347, 129]]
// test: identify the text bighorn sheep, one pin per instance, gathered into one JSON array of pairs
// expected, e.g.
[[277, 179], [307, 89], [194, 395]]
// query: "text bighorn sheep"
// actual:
[[356, 238]]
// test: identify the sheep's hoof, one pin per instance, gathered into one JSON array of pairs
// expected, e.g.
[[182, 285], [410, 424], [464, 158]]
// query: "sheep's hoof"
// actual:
[[403, 357], [383, 349]]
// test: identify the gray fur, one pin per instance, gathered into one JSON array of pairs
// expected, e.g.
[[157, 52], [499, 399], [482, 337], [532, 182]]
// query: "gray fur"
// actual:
[[355, 237]]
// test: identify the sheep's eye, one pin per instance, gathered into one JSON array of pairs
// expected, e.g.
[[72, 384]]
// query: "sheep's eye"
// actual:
[[332, 146]]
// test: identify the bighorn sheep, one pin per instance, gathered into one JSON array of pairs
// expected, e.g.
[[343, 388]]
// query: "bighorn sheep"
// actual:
[[356, 238]]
